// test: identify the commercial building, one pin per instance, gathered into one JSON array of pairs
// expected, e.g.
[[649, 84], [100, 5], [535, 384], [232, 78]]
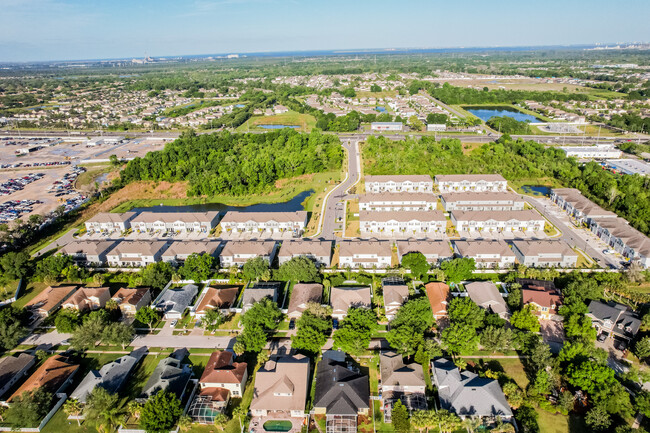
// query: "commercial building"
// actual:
[[318, 251], [402, 223], [434, 251], [236, 253], [494, 221], [163, 222], [471, 182], [258, 222], [136, 253], [630, 166], [481, 201], [578, 206], [417, 183], [365, 254], [405, 201], [486, 254], [623, 238], [387, 126], [591, 152], [545, 253]]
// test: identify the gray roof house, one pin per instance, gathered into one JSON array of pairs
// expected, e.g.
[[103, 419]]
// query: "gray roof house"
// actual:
[[111, 376], [259, 291], [614, 320], [401, 382], [486, 295], [173, 301], [468, 395], [170, 374], [13, 369], [88, 252]]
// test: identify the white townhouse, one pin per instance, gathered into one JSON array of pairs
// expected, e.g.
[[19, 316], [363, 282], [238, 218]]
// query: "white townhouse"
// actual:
[[471, 182], [399, 183], [486, 254], [434, 251], [318, 251], [494, 221], [623, 238], [88, 252], [135, 253], [404, 223], [198, 222], [179, 251], [544, 253], [405, 201], [578, 206], [236, 253], [106, 222], [365, 254], [257, 222], [386, 126], [483, 201]]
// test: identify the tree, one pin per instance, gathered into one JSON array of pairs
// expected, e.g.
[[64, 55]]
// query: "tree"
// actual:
[[212, 319], [299, 268], [525, 319], [540, 356], [514, 298], [118, 333], [28, 409], [415, 123], [157, 275], [220, 421], [52, 267], [527, 418], [239, 348], [256, 268], [460, 338], [184, 422], [160, 412], [312, 332], [566, 401], [134, 409], [457, 270], [417, 264], [428, 350], [72, 407], [354, 334], [197, 267], [264, 314], [253, 338], [598, 419], [400, 418], [642, 402], [15, 265], [67, 320], [11, 327], [147, 315], [405, 339], [90, 332], [415, 313], [590, 376], [642, 348], [104, 410], [496, 339], [514, 394], [462, 310], [579, 326]]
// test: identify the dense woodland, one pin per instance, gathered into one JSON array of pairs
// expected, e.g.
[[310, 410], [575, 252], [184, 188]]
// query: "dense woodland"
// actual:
[[237, 164], [628, 196], [466, 95]]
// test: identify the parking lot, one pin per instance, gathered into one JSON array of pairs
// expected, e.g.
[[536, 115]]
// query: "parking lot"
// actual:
[[245, 236]]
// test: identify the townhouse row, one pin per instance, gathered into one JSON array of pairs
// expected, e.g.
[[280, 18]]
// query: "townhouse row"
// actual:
[[444, 183]]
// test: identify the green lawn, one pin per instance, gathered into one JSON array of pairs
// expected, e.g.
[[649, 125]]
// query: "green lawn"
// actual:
[[558, 423], [306, 121], [33, 289], [512, 367]]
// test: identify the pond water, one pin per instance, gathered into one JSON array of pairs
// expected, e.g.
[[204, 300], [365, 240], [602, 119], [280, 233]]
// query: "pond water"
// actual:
[[239, 105], [536, 189], [485, 113], [380, 109], [295, 204], [277, 126]]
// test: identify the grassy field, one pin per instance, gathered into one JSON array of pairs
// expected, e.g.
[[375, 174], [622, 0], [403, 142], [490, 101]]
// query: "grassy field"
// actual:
[[88, 178], [512, 367], [33, 289], [306, 121]]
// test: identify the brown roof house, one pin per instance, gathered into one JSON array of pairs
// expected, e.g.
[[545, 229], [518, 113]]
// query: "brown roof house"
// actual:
[[221, 298], [438, 294], [486, 295], [88, 298], [222, 372], [131, 300], [53, 376], [281, 388], [344, 298], [301, 295], [434, 251], [545, 300], [50, 299], [395, 294], [401, 382]]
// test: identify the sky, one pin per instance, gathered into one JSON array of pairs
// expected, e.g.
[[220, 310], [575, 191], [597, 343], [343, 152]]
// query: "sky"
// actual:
[[41, 30]]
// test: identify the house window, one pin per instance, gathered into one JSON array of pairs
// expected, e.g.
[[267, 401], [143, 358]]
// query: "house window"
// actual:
[[235, 393]]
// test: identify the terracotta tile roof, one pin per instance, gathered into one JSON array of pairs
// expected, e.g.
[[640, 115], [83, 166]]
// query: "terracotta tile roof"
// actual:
[[49, 376], [222, 369], [50, 298], [438, 293], [221, 297], [130, 296], [215, 394], [302, 294], [543, 298]]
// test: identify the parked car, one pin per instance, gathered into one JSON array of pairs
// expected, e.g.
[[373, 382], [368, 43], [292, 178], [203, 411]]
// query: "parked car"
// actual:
[[173, 323]]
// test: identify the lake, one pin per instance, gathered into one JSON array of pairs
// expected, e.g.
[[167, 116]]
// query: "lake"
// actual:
[[278, 126], [295, 204], [536, 189], [485, 113], [380, 109]]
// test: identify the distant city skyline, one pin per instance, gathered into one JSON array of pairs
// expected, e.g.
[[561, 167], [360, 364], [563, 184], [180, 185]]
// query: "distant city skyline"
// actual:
[[46, 30]]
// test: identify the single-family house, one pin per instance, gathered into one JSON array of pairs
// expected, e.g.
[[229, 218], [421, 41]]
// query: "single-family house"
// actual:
[[486, 295], [302, 295], [173, 301], [53, 376], [219, 297], [395, 293], [344, 298], [400, 381], [438, 295], [13, 368], [88, 298], [614, 320], [543, 297], [49, 300], [169, 375], [258, 291], [131, 300]]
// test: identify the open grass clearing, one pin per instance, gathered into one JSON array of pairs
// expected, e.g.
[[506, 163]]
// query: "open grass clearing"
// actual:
[[306, 122]]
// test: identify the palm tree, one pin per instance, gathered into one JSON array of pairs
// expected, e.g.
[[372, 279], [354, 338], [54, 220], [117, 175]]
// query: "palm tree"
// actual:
[[471, 424], [105, 410], [134, 409], [185, 422], [73, 407]]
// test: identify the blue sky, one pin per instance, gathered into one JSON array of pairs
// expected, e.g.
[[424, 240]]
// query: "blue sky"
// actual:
[[89, 29]]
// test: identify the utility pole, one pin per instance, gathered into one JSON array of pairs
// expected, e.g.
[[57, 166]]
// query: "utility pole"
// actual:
[[598, 139]]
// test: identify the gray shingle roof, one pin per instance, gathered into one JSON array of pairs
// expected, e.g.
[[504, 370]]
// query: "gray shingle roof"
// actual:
[[170, 374], [339, 390], [176, 300]]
